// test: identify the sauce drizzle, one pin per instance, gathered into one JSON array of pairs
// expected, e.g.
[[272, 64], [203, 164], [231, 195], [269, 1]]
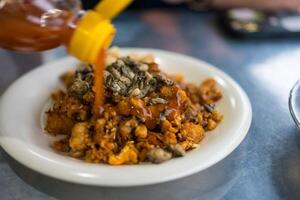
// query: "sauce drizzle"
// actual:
[[98, 83]]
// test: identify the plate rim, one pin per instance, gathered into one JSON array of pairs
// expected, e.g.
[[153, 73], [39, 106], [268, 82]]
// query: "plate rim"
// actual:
[[243, 129]]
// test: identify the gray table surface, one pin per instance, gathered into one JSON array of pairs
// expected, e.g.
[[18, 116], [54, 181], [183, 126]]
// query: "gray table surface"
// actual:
[[267, 163]]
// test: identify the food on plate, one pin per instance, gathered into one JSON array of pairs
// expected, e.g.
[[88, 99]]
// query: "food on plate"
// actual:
[[145, 115]]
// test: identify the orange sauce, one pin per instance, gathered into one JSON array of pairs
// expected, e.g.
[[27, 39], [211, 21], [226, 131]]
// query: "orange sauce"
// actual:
[[98, 83], [151, 114], [133, 106]]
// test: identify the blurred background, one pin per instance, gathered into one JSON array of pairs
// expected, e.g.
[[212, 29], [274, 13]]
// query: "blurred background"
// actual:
[[241, 18], [256, 42], [260, 4]]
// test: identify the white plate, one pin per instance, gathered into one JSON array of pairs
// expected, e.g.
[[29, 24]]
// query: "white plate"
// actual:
[[23, 138]]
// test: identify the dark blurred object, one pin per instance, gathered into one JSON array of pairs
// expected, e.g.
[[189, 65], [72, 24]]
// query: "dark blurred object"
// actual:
[[200, 5], [261, 24], [88, 4]]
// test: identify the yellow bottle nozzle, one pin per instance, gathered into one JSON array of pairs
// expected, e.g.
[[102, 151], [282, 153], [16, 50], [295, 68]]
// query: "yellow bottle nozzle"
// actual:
[[111, 8], [95, 31], [92, 34]]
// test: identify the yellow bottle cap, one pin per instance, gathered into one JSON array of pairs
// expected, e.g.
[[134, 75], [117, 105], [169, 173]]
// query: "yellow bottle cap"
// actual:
[[111, 8], [92, 34], [95, 31]]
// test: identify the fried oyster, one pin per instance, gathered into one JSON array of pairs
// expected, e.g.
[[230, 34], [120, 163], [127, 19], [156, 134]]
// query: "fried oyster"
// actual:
[[147, 116]]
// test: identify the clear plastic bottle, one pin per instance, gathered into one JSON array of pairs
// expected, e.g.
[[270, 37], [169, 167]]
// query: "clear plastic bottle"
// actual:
[[36, 25]]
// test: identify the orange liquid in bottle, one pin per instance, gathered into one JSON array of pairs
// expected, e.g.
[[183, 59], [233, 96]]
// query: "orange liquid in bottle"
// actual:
[[33, 26], [30, 26]]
